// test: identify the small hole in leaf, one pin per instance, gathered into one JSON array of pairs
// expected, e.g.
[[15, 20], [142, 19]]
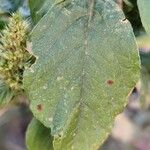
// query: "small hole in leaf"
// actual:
[[110, 82], [39, 107], [124, 19]]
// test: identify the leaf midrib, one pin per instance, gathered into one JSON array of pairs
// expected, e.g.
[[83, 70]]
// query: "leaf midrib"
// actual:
[[84, 58]]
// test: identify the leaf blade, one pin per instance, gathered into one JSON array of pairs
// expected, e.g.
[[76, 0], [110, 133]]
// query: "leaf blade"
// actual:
[[82, 72], [38, 137], [144, 6]]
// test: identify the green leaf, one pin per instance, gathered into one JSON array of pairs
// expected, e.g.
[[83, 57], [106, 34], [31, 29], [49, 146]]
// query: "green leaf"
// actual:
[[38, 8], [87, 63], [145, 80], [38, 137], [145, 60], [144, 8], [34, 7], [5, 93]]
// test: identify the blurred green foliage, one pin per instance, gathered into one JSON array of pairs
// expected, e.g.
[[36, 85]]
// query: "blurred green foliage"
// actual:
[[131, 11], [144, 9], [7, 7]]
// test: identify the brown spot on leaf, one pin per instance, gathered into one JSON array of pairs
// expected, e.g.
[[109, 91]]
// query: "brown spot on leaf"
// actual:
[[39, 107], [110, 82]]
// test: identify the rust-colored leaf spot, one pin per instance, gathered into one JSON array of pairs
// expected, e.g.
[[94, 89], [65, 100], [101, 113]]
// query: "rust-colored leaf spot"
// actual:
[[39, 107], [110, 82]]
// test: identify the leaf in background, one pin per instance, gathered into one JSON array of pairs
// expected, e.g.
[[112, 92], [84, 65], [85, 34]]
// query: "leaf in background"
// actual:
[[145, 79], [39, 8], [145, 60], [38, 136], [144, 47], [86, 66], [144, 8], [5, 94]]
